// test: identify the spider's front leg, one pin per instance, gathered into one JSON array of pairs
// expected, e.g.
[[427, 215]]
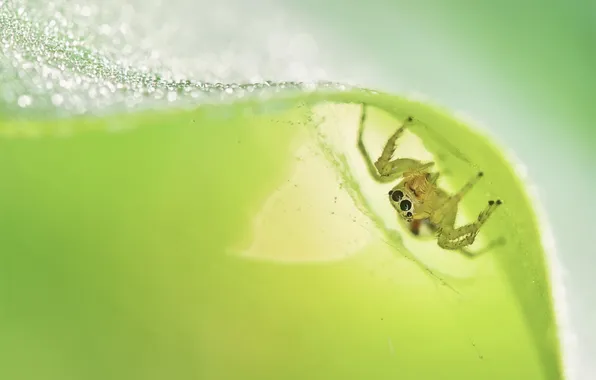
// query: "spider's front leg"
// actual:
[[384, 169], [450, 237]]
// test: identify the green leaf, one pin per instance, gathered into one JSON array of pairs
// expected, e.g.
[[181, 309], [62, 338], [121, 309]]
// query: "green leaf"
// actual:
[[461, 152], [246, 240]]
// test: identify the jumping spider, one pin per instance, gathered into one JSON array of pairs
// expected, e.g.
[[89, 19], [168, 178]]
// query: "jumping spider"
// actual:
[[417, 198]]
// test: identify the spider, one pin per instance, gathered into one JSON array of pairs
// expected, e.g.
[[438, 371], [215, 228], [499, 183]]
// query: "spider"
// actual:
[[417, 198]]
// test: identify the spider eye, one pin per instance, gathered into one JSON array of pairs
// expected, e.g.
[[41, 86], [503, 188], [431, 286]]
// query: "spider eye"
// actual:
[[405, 205], [397, 195]]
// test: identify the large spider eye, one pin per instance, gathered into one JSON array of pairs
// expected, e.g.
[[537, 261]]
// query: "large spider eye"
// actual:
[[397, 196], [405, 205]]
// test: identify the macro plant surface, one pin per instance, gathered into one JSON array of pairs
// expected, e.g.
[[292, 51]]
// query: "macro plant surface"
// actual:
[[245, 238], [259, 225]]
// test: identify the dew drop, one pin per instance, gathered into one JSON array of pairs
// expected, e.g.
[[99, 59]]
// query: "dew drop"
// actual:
[[57, 99], [24, 101], [70, 58]]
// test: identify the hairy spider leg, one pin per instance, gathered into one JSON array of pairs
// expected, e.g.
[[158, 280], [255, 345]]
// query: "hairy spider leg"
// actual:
[[384, 169], [456, 238]]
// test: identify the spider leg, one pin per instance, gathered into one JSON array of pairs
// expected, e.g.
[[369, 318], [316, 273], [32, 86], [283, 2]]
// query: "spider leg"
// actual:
[[457, 238], [467, 187], [415, 226], [450, 237], [433, 177], [384, 169]]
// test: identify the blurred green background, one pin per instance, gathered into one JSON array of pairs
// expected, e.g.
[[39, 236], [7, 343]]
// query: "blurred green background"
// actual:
[[522, 70]]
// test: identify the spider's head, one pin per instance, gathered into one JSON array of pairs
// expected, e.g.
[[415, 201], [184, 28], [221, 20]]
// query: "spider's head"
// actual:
[[403, 202]]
